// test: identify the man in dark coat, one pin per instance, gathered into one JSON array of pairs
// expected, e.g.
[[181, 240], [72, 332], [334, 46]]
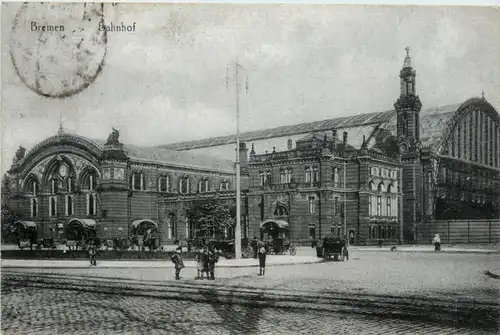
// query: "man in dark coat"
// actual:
[[179, 263], [254, 245], [213, 258]]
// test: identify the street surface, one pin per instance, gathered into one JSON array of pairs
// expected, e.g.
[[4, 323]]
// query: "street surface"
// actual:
[[372, 293]]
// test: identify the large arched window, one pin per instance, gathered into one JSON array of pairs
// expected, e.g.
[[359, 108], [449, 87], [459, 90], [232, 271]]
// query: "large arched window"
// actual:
[[32, 186], [138, 181], [172, 226], [203, 185], [164, 184], [184, 185]]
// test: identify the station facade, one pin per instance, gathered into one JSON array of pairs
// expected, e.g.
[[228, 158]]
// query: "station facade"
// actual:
[[372, 176]]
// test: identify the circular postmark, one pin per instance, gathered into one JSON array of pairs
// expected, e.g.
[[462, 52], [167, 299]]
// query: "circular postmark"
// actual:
[[57, 49]]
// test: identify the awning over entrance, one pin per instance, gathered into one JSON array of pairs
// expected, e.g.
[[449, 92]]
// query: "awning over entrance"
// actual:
[[136, 223], [280, 223], [26, 224], [86, 223]]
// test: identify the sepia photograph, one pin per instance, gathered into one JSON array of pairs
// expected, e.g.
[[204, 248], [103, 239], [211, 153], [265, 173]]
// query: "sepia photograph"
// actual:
[[175, 168]]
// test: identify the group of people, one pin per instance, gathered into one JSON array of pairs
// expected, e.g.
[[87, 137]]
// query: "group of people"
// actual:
[[206, 258]]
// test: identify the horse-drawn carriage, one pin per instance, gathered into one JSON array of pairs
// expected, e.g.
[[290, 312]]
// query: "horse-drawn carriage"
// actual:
[[276, 235], [145, 234], [26, 234], [334, 247]]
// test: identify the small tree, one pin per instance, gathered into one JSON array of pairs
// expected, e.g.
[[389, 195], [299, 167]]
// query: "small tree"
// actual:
[[212, 219]]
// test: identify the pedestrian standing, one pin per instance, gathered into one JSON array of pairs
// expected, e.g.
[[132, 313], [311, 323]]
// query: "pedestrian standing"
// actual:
[[92, 253], [437, 242], [179, 263], [213, 258], [262, 261], [199, 263], [206, 257]]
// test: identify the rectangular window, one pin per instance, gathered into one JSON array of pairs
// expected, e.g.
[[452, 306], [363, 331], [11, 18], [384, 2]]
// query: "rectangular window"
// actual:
[[282, 177], [91, 204], [262, 178], [379, 205], [53, 206], [336, 206], [370, 205], [312, 205], [389, 206], [70, 204], [34, 207]]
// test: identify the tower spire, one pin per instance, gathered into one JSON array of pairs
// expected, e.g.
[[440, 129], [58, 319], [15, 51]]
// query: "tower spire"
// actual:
[[61, 128], [407, 62]]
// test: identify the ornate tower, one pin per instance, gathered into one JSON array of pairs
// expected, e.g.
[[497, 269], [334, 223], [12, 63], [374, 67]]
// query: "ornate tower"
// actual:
[[408, 109]]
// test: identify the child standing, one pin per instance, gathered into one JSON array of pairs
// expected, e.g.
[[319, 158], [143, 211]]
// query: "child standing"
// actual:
[[262, 261], [199, 264], [179, 263]]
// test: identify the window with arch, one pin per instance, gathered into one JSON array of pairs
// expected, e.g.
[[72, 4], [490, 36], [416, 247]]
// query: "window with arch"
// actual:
[[32, 186], [172, 226], [316, 175], [336, 177], [372, 186], [184, 185], [280, 210], [164, 184], [203, 185], [381, 187], [308, 171], [70, 185], [224, 185], [390, 188], [138, 181], [54, 185]]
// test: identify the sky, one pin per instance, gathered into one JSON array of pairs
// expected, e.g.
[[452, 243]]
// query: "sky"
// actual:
[[166, 82]]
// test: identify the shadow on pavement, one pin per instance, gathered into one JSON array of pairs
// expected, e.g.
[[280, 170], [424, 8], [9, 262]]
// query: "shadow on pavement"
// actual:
[[246, 304]]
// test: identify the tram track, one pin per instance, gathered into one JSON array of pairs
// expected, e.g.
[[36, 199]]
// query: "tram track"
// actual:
[[456, 312]]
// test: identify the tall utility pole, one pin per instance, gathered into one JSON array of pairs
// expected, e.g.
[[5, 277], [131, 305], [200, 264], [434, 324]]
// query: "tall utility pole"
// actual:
[[237, 230], [345, 201]]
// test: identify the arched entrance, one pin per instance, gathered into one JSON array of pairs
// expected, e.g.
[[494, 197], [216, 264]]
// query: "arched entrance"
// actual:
[[80, 231], [145, 233]]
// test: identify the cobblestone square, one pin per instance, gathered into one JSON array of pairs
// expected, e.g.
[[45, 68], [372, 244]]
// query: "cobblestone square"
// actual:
[[374, 293]]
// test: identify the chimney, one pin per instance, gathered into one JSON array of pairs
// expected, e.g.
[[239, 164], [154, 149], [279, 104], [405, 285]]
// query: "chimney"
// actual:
[[289, 144], [345, 137], [243, 154], [334, 139]]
